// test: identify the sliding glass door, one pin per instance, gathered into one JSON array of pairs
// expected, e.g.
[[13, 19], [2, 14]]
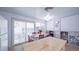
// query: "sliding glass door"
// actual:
[[30, 28], [22, 30], [3, 34], [19, 32]]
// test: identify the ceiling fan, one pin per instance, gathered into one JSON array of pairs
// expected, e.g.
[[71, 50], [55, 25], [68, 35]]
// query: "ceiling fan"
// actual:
[[48, 8]]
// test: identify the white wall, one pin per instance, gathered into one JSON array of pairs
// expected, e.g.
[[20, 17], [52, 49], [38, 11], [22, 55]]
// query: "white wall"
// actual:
[[70, 23], [51, 24]]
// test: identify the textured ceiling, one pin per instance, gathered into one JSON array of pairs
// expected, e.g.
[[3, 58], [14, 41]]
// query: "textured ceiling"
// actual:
[[39, 12]]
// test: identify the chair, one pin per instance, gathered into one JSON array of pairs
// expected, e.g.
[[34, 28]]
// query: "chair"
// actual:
[[41, 36]]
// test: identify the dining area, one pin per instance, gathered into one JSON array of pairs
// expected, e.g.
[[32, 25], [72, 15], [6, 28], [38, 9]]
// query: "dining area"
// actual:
[[39, 35]]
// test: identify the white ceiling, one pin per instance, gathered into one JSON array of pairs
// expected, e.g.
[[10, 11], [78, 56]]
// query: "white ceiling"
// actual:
[[39, 12]]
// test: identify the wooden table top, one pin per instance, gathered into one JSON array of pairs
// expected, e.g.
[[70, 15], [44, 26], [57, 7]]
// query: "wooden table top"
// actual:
[[45, 44]]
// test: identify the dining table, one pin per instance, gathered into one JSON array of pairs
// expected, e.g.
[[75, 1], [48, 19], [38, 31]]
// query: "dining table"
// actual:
[[45, 44]]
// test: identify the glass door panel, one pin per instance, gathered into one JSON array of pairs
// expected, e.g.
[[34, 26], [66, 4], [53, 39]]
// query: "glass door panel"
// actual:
[[30, 28], [19, 32], [22, 30], [4, 42], [3, 34]]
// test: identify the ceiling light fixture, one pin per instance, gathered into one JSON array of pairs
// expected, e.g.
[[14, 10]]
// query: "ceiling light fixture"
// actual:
[[48, 17]]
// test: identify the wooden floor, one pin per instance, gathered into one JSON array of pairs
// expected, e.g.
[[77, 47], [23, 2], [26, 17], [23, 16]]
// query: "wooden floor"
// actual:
[[20, 48]]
